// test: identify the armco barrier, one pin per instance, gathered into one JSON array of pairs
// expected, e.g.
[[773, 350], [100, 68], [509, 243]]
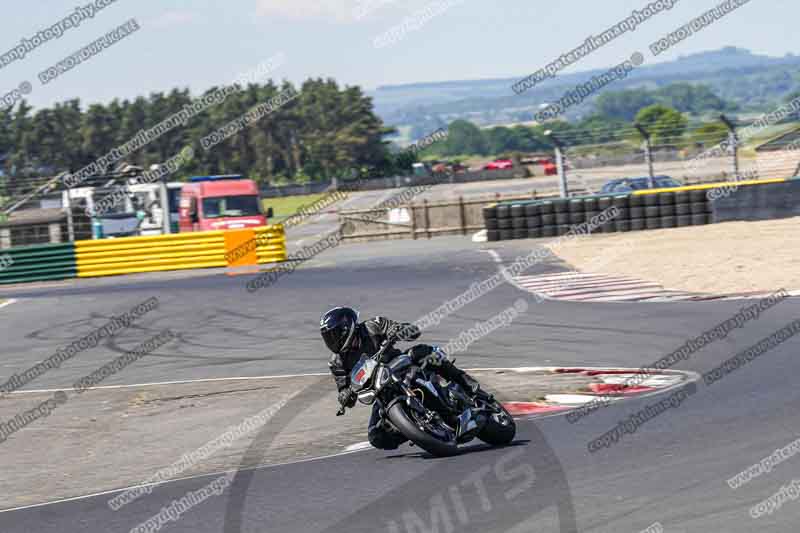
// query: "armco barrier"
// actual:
[[271, 244], [763, 202], [713, 185], [45, 262], [109, 257]]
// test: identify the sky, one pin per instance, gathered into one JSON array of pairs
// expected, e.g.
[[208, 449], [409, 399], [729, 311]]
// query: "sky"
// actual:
[[202, 43]]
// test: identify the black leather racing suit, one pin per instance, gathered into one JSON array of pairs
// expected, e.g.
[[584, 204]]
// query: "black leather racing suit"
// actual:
[[368, 337]]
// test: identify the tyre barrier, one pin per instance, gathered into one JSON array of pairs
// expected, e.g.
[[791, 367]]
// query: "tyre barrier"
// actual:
[[642, 210]]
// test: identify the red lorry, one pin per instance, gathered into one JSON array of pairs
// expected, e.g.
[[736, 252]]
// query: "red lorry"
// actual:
[[220, 202]]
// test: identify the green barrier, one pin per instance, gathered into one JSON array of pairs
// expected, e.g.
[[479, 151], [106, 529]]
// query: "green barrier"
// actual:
[[45, 262]]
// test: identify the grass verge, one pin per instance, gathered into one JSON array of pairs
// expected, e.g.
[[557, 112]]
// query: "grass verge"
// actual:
[[285, 206]]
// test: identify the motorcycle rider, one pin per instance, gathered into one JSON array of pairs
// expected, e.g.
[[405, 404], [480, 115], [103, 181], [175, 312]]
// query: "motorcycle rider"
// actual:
[[349, 340]]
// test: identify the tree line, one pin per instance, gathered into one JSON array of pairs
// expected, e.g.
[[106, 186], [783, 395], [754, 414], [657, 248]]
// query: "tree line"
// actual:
[[317, 135]]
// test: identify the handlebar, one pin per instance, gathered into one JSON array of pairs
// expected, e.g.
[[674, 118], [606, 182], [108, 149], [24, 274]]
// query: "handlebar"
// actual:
[[385, 346]]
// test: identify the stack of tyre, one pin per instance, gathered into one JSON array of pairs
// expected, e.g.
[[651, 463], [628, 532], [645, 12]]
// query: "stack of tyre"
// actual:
[[552, 218]]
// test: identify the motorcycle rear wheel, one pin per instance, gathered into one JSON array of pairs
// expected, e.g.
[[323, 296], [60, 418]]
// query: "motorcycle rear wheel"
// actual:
[[410, 429]]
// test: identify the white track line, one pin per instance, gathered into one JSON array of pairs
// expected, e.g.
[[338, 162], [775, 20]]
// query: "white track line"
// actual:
[[8, 302], [502, 270], [185, 381], [358, 447], [240, 378], [45, 285]]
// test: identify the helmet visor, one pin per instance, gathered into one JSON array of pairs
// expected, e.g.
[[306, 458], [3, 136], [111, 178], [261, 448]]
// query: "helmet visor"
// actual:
[[336, 337]]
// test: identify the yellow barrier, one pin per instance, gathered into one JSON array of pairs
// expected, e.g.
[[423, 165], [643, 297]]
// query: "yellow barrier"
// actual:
[[703, 186], [129, 255], [271, 244]]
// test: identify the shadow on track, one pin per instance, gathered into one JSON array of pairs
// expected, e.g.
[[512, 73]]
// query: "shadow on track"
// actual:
[[483, 489]]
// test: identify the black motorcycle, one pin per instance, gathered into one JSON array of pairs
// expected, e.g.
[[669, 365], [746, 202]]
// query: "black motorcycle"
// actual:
[[435, 417]]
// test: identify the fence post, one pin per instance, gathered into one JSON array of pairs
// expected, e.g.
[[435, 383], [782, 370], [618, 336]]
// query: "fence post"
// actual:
[[426, 218], [413, 221], [54, 232], [5, 238], [70, 219], [166, 212], [648, 152], [733, 141], [562, 171], [462, 216]]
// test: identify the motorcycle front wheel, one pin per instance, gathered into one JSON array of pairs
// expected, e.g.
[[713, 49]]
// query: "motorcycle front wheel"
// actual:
[[415, 430]]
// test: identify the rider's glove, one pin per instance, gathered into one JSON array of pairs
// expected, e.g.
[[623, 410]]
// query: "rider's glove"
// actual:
[[405, 332], [347, 398]]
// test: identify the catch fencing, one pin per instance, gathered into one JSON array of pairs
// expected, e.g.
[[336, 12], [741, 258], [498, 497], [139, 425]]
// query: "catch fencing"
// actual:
[[416, 220], [393, 182]]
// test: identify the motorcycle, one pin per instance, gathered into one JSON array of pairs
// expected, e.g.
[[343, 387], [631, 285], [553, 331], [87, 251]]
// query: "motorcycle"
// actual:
[[435, 417]]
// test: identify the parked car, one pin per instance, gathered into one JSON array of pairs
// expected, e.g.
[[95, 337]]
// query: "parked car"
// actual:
[[421, 169], [635, 184], [548, 165], [499, 164]]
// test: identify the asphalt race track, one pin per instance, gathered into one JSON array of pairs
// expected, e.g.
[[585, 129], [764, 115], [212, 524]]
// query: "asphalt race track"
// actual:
[[671, 471]]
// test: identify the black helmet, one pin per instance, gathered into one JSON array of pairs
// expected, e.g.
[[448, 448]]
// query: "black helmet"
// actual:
[[337, 327]]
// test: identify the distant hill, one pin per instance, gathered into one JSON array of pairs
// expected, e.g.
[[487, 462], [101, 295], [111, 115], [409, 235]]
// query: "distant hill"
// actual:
[[750, 82]]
